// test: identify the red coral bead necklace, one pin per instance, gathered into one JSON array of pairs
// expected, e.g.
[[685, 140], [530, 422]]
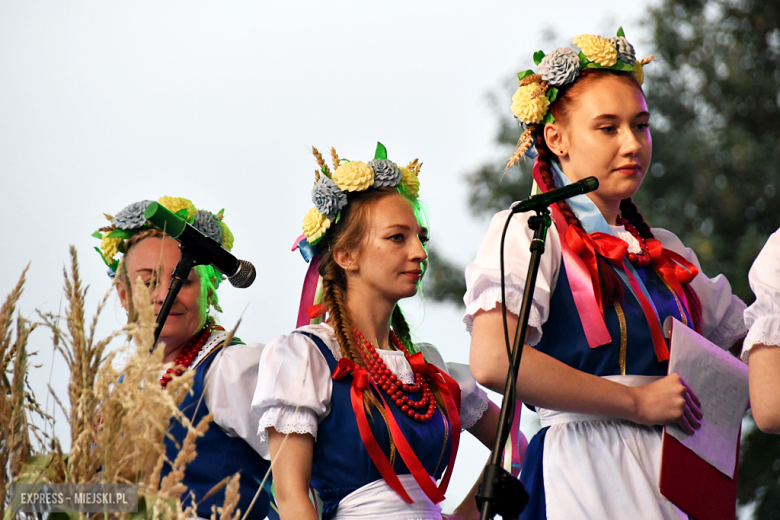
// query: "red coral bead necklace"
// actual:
[[189, 352], [389, 383]]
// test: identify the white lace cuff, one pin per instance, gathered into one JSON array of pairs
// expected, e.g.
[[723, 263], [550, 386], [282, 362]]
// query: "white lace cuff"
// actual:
[[491, 297], [286, 419], [732, 325], [764, 331], [472, 407]]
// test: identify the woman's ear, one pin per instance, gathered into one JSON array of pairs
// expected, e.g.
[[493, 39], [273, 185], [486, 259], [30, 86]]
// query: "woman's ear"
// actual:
[[347, 260], [121, 291], [556, 139]]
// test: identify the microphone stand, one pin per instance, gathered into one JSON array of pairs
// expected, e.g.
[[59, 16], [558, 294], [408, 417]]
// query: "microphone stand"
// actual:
[[180, 275], [499, 492]]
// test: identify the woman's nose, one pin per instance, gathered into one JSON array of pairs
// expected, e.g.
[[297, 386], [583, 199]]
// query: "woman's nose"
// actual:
[[418, 251], [631, 145]]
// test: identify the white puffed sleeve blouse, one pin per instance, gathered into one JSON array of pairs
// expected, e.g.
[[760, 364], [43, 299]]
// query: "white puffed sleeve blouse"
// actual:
[[763, 316], [722, 321], [294, 383]]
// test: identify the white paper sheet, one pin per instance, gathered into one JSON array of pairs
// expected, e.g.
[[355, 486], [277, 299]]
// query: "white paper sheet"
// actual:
[[721, 383]]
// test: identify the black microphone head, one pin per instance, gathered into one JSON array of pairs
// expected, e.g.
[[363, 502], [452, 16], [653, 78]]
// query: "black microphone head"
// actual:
[[590, 184], [244, 276]]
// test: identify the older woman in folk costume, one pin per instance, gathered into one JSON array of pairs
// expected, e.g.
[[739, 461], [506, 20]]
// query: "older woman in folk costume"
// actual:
[[761, 344], [352, 407], [225, 375], [597, 372]]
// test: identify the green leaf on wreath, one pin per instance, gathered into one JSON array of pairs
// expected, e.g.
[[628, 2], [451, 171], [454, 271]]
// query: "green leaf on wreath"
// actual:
[[124, 234], [381, 151], [552, 94], [524, 74], [538, 56], [620, 32]]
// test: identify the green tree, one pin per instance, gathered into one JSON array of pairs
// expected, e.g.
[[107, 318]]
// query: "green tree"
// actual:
[[714, 92]]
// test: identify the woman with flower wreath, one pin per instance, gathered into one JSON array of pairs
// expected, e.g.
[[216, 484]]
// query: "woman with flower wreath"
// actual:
[[596, 360], [351, 407], [225, 375]]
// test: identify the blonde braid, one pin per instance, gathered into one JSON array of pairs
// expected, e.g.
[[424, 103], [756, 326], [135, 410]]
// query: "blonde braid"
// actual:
[[333, 297]]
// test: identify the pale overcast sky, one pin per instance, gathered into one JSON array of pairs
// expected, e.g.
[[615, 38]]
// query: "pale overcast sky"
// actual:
[[106, 103]]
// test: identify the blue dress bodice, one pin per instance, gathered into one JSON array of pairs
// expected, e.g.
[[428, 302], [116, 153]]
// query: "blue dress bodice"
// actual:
[[341, 463], [219, 456], [564, 339]]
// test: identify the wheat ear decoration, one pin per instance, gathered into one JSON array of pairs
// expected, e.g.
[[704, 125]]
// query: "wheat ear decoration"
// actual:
[[541, 90], [415, 166], [335, 158], [646, 60], [533, 78], [523, 144], [320, 163]]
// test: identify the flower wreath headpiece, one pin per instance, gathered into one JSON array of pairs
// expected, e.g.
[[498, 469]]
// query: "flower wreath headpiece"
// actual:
[[531, 102], [330, 189], [330, 197], [130, 221]]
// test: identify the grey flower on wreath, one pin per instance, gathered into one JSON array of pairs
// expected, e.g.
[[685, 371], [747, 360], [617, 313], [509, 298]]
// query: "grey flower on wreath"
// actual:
[[132, 216], [386, 173], [208, 224], [625, 50], [560, 67], [328, 198]]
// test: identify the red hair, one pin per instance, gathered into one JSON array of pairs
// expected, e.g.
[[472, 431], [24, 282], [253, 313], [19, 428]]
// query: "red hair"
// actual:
[[611, 287]]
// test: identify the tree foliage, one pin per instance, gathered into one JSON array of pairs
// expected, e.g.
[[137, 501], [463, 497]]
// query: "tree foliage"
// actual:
[[714, 94]]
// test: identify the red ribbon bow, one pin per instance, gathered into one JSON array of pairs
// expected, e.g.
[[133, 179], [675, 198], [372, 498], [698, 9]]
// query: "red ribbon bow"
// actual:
[[586, 245], [451, 396], [673, 268]]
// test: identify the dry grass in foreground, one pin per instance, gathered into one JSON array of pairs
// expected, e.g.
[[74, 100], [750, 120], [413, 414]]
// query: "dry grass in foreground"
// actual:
[[118, 420]]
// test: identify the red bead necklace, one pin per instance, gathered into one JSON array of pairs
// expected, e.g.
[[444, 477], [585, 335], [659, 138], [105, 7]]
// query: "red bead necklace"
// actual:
[[643, 258], [395, 389], [189, 353]]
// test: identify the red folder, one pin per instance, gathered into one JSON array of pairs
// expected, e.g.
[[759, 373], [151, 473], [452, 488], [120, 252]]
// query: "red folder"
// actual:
[[694, 485]]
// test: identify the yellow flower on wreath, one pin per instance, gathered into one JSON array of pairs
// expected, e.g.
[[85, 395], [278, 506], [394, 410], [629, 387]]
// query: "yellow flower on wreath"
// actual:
[[353, 176], [227, 236], [175, 204], [315, 224], [409, 181], [529, 110], [110, 247], [597, 49]]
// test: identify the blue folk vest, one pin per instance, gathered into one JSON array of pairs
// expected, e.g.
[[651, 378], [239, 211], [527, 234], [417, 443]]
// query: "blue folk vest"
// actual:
[[219, 456], [341, 463]]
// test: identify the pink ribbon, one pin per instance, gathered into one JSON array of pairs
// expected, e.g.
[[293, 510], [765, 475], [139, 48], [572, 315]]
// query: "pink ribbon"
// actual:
[[309, 291], [580, 282]]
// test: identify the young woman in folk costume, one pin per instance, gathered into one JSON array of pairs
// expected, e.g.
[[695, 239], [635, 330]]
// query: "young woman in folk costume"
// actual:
[[761, 344], [597, 372], [351, 407], [225, 375]]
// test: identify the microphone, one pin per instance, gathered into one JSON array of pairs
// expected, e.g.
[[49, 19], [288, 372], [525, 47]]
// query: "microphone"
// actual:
[[545, 199], [240, 273]]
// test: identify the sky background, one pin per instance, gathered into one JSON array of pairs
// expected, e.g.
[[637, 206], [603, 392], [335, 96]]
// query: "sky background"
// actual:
[[107, 103]]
